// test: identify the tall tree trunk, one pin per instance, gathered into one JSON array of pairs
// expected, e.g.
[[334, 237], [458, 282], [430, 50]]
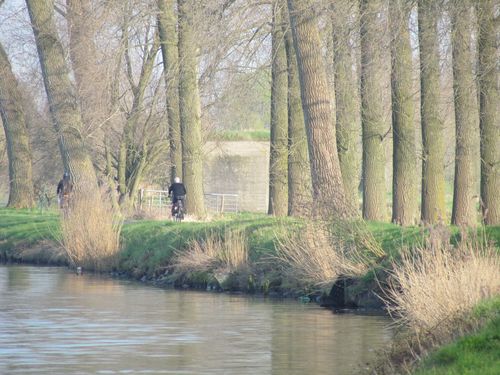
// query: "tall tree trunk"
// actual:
[[372, 112], [299, 175], [404, 182], [466, 118], [16, 133], [328, 190], [190, 110], [489, 102], [346, 97], [167, 26], [63, 105], [433, 180], [278, 161], [89, 77]]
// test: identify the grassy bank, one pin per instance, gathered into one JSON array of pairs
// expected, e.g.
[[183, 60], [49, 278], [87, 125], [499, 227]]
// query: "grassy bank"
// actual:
[[477, 353], [149, 247], [168, 253]]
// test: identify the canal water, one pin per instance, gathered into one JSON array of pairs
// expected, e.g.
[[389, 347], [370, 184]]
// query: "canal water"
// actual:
[[53, 321]]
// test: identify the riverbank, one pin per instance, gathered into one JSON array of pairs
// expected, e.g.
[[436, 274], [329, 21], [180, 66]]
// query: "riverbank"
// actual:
[[149, 248], [150, 251], [472, 354]]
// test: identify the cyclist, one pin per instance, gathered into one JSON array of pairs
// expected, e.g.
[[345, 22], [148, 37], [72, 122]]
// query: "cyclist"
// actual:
[[64, 189], [178, 192]]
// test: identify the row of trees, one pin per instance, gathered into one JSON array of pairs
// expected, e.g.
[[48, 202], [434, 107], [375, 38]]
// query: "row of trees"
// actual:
[[142, 76], [357, 101]]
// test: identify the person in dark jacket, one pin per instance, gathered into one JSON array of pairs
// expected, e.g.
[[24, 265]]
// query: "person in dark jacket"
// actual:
[[64, 189], [178, 193]]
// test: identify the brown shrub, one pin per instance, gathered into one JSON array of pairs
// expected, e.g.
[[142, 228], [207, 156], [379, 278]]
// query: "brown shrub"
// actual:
[[227, 252], [90, 232], [432, 287], [320, 253]]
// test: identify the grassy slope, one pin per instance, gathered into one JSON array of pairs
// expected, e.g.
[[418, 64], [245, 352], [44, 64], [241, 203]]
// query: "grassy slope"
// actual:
[[22, 228], [475, 354], [149, 245]]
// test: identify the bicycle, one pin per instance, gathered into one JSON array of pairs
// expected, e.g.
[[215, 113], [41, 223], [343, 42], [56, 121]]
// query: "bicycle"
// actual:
[[178, 210]]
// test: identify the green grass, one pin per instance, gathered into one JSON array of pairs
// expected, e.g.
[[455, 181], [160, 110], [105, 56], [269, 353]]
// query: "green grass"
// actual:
[[149, 245], [475, 354], [26, 227], [240, 135]]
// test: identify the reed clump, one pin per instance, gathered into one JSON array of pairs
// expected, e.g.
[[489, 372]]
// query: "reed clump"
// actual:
[[432, 293], [90, 232], [319, 253], [432, 286], [227, 252]]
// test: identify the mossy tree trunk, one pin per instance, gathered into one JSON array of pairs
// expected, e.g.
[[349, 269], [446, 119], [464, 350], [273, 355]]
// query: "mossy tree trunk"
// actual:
[[404, 178], [433, 180], [21, 193], [328, 190], [373, 124], [299, 175], [62, 99], [466, 116], [278, 156], [167, 26], [190, 110], [489, 102], [89, 77], [346, 97]]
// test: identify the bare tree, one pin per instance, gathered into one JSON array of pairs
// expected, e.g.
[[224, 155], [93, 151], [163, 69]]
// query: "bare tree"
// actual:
[[466, 117], [374, 128], [278, 161], [190, 109], [134, 154], [433, 180], [167, 26], [299, 175], [404, 185], [489, 101], [328, 190], [64, 107], [346, 85], [17, 137]]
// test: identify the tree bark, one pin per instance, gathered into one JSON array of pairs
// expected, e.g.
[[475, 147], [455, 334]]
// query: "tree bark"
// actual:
[[190, 110], [489, 120], [374, 127], [346, 97], [433, 180], [21, 193], [328, 190], [64, 107], [299, 175], [167, 26], [466, 116], [404, 188], [89, 77], [278, 160]]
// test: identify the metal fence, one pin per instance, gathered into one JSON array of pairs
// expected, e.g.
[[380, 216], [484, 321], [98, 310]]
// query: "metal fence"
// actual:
[[154, 201], [158, 202], [219, 203]]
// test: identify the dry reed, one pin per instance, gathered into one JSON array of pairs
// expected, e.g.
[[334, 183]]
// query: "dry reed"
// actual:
[[90, 232], [319, 254], [434, 287], [228, 252]]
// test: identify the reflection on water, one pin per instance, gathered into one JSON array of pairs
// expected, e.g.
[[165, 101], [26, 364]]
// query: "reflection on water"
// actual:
[[54, 322]]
